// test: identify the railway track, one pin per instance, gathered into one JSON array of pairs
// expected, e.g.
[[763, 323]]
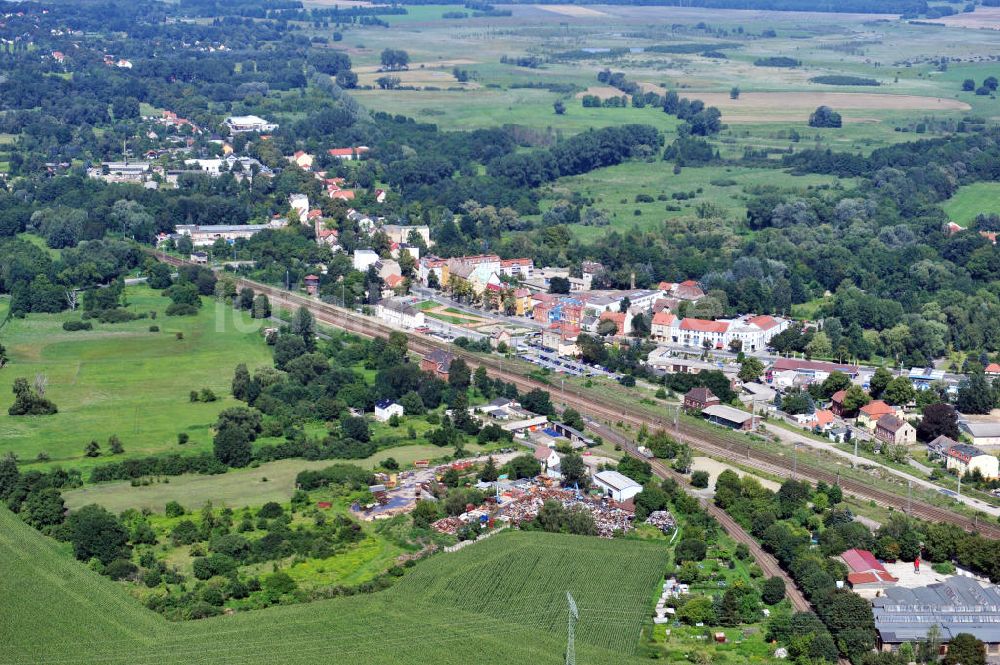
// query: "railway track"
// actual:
[[768, 564], [712, 443]]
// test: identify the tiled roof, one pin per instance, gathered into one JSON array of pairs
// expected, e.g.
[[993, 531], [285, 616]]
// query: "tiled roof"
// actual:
[[876, 409], [701, 325]]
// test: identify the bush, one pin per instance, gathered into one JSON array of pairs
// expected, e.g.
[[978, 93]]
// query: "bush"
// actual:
[[773, 590], [118, 315], [119, 569], [270, 510], [154, 328], [181, 309], [944, 568], [72, 326], [173, 509], [690, 549], [699, 479]]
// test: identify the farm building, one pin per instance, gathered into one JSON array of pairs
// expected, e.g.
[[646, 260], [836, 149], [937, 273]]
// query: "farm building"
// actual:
[[616, 486]]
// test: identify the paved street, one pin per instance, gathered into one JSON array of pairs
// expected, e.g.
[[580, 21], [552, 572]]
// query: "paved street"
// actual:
[[795, 438]]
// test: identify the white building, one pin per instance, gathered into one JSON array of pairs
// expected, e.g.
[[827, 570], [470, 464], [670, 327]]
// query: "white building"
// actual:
[[204, 235], [401, 234], [239, 124], [300, 204], [753, 333], [550, 461], [616, 486], [398, 313], [386, 409], [364, 258], [964, 459], [984, 434]]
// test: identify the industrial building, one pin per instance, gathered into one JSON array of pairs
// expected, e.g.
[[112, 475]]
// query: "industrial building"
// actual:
[[957, 605]]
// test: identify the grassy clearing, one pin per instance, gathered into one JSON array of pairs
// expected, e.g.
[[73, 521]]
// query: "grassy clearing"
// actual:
[[499, 601], [123, 379], [237, 488], [971, 200], [614, 190]]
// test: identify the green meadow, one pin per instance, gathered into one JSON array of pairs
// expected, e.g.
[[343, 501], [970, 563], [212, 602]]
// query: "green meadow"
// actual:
[[972, 200], [121, 379]]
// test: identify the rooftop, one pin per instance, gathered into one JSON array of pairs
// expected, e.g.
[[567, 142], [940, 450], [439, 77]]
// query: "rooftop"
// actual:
[[727, 413], [957, 605], [615, 480]]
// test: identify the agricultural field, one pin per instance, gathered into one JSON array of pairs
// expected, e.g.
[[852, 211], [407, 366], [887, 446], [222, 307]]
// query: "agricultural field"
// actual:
[[499, 601], [971, 200], [123, 379]]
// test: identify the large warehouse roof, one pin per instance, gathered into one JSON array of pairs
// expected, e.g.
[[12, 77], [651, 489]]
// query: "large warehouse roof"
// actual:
[[958, 605]]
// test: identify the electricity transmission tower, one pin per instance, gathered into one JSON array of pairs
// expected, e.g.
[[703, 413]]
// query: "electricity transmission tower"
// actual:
[[571, 632]]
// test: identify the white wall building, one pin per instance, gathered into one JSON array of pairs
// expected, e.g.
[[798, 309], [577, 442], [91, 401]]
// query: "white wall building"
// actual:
[[386, 409], [300, 204], [239, 124], [616, 486], [364, 258], [399, 314], [966, 459]]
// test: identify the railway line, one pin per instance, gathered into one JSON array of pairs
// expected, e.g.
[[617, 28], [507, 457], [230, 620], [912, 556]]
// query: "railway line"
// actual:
[[708, 442]]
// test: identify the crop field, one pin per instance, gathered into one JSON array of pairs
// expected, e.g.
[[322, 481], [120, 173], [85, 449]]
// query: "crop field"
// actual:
[[500, 601], [123, 379], [971, 200]]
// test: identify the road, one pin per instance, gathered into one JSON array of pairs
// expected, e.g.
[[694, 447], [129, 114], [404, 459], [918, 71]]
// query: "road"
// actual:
[[722, 445], [796, 439]]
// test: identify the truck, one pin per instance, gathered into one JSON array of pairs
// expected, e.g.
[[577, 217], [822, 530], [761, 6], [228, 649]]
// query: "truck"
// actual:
[[645, 452]]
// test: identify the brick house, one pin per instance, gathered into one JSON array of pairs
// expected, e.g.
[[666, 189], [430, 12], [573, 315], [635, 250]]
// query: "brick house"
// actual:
[[700, 398]]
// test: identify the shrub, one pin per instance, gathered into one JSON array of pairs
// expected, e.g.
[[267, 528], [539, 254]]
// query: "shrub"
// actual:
[[173, 509], [72, 326], [154, 328], [119, 569], [699, 479]]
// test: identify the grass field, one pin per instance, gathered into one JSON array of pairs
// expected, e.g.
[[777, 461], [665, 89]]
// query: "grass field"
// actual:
[[971, 200], [613, 190], [238, 487], [500, 601], [122, 379]]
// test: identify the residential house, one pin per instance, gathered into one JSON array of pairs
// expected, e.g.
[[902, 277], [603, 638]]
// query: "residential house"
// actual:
[[699, 333], [937, 448], [348, 154], [386, 409], [517, 268], [661, 325], [561, 337], [433, 264], [302, 159], [300, 204], [993, 369], [616, 486], [622, 321], [397, 312], [727, 416], [240, 124], [700, 398], [550, 460], [823, 420], [837, 405], [871, 412], [522, 301], [387, 268], [890, 429], [965, 459], [688, 290], [437, 361], [401, 233], [365, 258]]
